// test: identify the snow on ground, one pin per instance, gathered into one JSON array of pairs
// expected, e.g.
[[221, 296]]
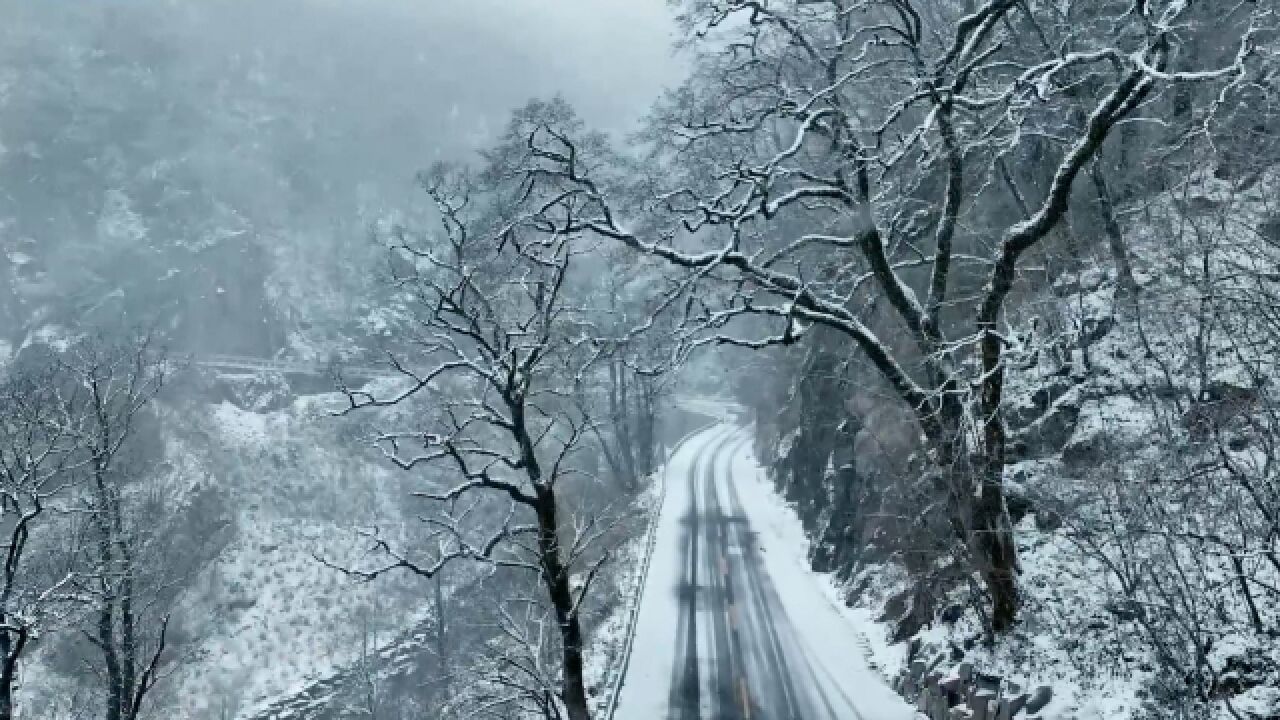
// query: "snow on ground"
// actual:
[[648, 679], [294, 488], [241, 427], [606, 654], [1132, 487], [1062, 635], [819, 633], [837, 635]]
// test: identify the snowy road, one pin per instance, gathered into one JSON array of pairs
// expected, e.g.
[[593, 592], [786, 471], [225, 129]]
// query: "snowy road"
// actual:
[[732, 624]]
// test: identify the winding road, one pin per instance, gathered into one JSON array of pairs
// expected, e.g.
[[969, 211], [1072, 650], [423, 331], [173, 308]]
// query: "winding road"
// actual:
[[732, 625]]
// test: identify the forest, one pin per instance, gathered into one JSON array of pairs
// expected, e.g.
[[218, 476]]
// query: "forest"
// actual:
[[640, 359]]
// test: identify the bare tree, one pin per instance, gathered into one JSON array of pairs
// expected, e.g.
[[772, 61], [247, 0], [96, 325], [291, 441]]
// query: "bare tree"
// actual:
[[37, 457], [1186, 531], [839, 154], [632, 377], [114, 383], [500, 349], [516, 675], [369, 695]]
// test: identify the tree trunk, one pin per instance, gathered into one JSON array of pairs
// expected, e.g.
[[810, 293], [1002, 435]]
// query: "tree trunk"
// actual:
[[646, 452], [116, 691], [106, 641], [6, 697], [978, 504], [992, 544], [128, 642], [616, 469], [620, 409], [10, 649], [990, 532], [442, 635], [1115, 236], [556, 576], [132, 691]]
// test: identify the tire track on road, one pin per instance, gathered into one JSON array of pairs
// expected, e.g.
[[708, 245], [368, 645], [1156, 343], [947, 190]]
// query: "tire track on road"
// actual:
[[685, 700]]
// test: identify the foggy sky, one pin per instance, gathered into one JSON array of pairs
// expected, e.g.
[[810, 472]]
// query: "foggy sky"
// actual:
[[455, 68], [223, 130]]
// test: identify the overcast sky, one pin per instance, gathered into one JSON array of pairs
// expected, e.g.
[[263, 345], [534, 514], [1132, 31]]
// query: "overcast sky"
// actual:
[[611, 57], [409, 80], [471, 61], [454, 68], [269, 118]]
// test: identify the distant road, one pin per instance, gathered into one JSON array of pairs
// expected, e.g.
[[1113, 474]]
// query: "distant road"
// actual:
[[732, 626], [244, 363]]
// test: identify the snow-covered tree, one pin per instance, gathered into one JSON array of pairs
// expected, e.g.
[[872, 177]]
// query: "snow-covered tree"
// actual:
[[500, 348], [37, 458], [121, 576], [830, 156]]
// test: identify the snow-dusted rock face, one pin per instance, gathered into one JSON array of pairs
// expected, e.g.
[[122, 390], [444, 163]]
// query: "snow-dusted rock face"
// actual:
[[813, 444], [1141, 481]]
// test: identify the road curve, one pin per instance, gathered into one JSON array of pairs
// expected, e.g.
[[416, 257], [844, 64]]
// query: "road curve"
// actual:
[[730, 626]]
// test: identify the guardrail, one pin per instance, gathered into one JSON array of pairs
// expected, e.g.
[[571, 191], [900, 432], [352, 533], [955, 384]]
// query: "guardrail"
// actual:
[[289, 367]]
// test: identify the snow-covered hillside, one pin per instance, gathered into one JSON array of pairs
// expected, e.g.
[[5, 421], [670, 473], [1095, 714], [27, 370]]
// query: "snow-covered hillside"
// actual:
[[1142, 486], [262, 616]]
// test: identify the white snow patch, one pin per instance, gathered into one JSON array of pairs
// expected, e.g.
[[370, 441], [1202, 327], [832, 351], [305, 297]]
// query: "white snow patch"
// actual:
[[831, 636], [241, 426]]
